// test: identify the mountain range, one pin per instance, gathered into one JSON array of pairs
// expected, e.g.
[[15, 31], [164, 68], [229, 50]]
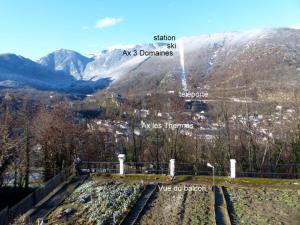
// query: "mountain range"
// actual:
[[256, 59], [262, 64], [19, 72]]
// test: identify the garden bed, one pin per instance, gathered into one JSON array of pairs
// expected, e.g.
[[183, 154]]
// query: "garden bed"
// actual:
[[265, 206], [180, 207], [97, 203]]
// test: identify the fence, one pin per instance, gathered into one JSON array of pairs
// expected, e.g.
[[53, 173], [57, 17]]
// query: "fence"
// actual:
[[150, 168], [100, 167], [9, 214], [242, 170], [146, 168], [287, 171]]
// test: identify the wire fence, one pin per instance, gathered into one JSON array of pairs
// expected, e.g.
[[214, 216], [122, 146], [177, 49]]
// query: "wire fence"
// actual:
[[287, 171]]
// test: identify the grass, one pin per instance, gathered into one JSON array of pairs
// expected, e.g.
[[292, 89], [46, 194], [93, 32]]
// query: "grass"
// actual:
[[255, 206], [208, 180]]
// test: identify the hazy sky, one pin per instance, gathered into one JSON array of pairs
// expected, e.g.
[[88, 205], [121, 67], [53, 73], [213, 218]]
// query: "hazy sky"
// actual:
[[33, 28]]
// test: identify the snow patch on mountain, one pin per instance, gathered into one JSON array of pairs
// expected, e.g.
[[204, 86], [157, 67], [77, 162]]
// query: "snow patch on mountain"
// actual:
[[68, 61], [230, 38], [295, 26], [112, 63]]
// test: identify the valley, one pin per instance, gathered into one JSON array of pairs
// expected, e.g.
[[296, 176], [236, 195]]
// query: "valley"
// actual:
[[218, 97]]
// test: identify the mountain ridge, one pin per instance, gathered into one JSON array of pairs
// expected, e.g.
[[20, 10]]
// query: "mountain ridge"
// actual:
[[18, 72], [220, 59], [66, 60]]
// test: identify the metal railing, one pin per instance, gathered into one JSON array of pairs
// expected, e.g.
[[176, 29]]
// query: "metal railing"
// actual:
[[100, 167], [287, 171]]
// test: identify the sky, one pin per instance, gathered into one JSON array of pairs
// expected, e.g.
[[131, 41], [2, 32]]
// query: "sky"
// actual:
[[34, 28]]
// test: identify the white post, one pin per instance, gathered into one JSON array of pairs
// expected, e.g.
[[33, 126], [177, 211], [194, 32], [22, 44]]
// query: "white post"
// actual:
[[213, 170], [232, 168], [121, 160], [213, 176], [172, 167]]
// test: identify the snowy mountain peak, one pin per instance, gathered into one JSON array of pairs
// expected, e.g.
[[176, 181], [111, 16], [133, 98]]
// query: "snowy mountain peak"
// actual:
[[68, 61], [112, 63]]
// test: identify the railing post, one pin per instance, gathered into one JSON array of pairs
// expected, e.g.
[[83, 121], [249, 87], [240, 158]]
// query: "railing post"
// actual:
[[232, 168], [121, 160], [172, 167]]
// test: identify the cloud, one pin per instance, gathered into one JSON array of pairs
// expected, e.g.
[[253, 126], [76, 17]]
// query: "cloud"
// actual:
[[295, 26], [108, 22]]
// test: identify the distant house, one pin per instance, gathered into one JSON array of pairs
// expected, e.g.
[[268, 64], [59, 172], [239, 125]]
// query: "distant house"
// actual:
[[278, 108], [144, 113], [137, 132], [290, 111], [260, 117]]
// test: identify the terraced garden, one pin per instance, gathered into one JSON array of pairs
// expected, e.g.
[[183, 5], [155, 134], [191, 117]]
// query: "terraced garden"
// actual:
[[256, 206], [199, 208], [97, 203], [180, 207], [109, 201]]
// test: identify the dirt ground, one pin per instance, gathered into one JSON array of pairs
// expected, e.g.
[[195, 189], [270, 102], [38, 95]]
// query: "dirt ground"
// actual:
[[256, 206], [179, 207], [198, 208]]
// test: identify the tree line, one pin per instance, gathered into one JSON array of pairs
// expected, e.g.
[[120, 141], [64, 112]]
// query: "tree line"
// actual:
[[38, 135]]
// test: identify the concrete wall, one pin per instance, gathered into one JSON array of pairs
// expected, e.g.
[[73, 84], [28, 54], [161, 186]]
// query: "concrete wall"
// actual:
[[9, 214]]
